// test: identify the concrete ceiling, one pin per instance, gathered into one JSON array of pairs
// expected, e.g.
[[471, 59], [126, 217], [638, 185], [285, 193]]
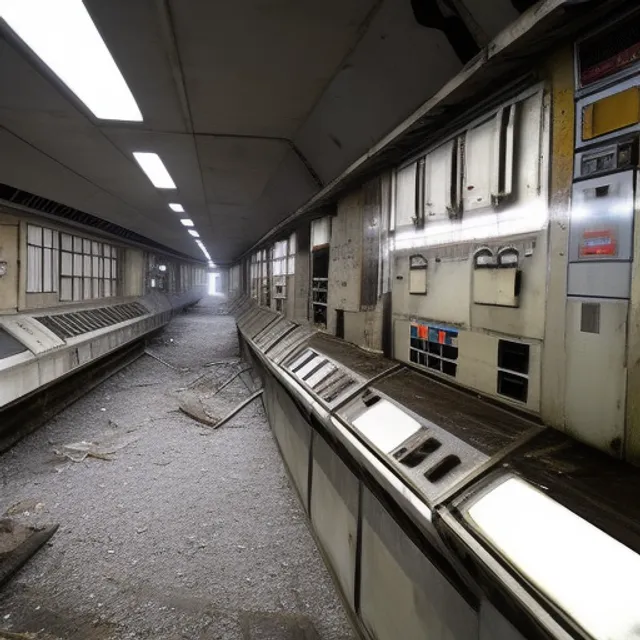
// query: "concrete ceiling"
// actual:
[[253, 105]]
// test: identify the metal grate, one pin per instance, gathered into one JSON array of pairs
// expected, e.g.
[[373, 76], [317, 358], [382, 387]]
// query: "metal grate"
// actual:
[[321, 375], [609, 52], [75, 323]]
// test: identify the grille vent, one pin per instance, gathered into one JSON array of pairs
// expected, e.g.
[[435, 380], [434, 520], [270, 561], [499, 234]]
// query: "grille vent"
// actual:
[[609, 52], [25, 199], [325, 378], [75, 323]]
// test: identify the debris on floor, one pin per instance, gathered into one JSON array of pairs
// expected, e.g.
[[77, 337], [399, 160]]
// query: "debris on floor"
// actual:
[[216, 396], [24, 507], [211, 421], [18, 542], [164, 362], [104, 448], [79, 451], [174, 509]]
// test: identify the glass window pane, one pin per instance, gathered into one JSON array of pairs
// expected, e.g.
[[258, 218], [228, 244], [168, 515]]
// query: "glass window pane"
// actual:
[[34, 235], [95, 248], [34, 269], [77, 288], [55, 264], [66, 289], [66, 264], [86, 289], [67, 242], [107, 288], [48, 237], [96, 287], [86, 266], [47, 283], [77, 244], [95, 269], [56, 240], [86, 246]]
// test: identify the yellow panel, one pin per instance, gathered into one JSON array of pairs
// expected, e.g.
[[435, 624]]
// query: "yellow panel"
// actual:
[[610, 114]]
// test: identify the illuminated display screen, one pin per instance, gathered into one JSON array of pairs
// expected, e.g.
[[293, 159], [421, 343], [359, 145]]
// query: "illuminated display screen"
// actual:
[[588, 574]]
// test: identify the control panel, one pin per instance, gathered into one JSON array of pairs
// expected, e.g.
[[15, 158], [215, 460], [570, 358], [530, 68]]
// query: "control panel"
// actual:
[[607, 159]]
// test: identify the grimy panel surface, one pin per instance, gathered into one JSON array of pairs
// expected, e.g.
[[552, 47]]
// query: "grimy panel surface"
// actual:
[[186, 532]]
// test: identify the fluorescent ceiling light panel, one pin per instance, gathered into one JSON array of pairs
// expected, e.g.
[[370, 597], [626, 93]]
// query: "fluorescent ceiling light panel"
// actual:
[[178, 208], [187, 222], [203, 249], [194, 233], [153, 166], [583, 570], [63, 35]]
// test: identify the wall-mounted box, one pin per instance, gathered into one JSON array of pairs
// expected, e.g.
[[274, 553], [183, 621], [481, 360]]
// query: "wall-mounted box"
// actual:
[[497, 286], [609, 113], [418, 281]]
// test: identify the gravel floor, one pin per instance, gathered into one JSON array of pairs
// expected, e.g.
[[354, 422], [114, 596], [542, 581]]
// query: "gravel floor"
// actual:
[[185, 532]]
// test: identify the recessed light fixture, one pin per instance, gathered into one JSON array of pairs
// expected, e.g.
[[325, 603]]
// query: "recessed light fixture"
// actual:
[[194, 233], [153, 166], [178, 208], [203, 249], [187, 222], [163, 267], [64, 37]]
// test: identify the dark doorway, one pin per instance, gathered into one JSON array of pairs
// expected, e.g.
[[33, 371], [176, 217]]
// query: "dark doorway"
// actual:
[[320, 285]]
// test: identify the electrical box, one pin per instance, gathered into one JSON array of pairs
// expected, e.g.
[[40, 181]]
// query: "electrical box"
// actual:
[[496, 286], [608, 113], [601, 235], [417, 275]]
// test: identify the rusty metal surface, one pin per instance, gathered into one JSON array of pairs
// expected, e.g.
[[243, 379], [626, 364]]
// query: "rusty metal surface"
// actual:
[[363, 363], [246, 315], [259, 323], [370, 244], [272, 333], [290, 344], [476, 422]]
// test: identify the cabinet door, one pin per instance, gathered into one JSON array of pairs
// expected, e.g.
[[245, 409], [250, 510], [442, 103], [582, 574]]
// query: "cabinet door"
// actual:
[[438, 183], [9, 258], [479, 166], [406, 195], [596, 373], [529, 135]]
